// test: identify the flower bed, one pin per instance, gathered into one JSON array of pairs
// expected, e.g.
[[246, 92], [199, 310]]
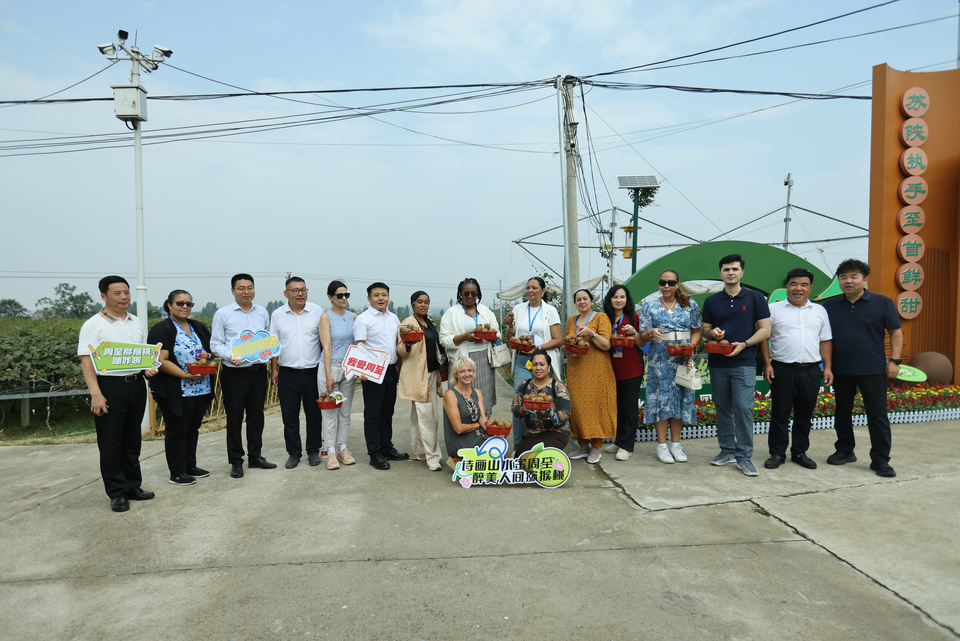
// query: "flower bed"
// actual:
[[916, 404]]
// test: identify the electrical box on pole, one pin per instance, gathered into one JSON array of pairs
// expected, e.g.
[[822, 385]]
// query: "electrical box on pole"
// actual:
[[130, 102]]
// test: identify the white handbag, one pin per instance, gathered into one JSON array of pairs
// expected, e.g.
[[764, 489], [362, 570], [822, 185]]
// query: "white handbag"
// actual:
[[498, 354], [689, 378]]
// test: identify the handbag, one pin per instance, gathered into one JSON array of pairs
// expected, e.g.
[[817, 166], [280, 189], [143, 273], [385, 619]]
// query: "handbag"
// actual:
[[689, 378], [498, 354]]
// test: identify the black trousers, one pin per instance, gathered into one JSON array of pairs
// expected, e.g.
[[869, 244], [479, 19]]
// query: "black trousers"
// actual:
[[298, 387], [794, 389], [244, 392], [873, 388], [550, 438], [378, 403], [181, 432], [628, 411], [118, 433]]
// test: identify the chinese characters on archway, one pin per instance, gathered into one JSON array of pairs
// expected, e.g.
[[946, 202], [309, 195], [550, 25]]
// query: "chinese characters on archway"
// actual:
[[913, 190]]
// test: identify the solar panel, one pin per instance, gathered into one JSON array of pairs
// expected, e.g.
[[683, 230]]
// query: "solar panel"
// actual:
[[636, 182]]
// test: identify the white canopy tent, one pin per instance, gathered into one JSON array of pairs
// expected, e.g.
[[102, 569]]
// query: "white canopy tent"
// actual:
[[513, 295]]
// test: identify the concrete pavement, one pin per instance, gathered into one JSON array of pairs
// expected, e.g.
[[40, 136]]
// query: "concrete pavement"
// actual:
[[625, 550]]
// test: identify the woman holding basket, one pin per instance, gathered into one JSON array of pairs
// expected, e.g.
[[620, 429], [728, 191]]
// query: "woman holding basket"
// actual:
[[336, 337], [539, 320], [673, 317], [458, 335], [627, 363]]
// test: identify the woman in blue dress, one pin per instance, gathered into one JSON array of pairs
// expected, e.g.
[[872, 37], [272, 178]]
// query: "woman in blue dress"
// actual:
[[672, 318]]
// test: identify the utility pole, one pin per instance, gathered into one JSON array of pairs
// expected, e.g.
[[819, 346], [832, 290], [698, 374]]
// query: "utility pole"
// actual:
[[788, 181], [130, 105], [572, 258]]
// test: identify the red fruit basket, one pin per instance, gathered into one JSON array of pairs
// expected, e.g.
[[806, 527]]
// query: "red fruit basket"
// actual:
[[576, 349], [494, 430], [411, 337], [203, 370], [680, 351], [716, 348], [525, 348], [330, 404], [623, 341], [486, 334], [536, 406]]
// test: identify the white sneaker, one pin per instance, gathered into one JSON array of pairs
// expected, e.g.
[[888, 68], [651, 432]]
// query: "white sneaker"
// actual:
[[582, 452], [622, 454], [611, 448], [677, 452], [664, 454]]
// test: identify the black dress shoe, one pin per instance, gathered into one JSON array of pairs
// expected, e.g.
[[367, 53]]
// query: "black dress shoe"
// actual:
[[261, 462], [119, 504], [136, 494], [804, 461], [379, 462], [314, 458], [882, 469], [773, 462], [292, 462], [839, 458], [237, 471], [393, 455]]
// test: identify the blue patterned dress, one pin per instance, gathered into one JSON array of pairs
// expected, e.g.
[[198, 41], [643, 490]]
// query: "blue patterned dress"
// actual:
[[666, 399]]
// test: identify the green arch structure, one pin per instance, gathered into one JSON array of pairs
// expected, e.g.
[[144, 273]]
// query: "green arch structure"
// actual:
[[765, 269]]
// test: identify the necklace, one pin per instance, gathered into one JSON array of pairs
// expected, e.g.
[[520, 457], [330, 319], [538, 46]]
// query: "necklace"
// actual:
[[671, 308]]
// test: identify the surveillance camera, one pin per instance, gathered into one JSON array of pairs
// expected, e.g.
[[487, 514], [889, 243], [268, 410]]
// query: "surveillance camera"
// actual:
[[163, 51], [107, 49], [123, 35]]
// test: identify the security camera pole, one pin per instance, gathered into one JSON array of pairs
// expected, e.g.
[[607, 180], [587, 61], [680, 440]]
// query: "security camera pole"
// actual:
[[130, 105]]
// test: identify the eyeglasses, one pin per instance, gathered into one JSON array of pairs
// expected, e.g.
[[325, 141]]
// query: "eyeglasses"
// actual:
[[243, 290], [342, 296], [667, 283], [183, 303], [297, 292]]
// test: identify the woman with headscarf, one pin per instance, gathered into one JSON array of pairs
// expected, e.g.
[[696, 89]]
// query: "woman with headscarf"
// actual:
[[541, 321], [458, 336], [422, 365], [182, 397]]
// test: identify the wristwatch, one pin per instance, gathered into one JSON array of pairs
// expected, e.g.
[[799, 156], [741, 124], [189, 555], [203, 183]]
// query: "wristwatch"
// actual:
[[898, 361]]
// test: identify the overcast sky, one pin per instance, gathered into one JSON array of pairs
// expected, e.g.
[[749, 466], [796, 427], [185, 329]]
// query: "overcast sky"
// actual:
[[426, 197]]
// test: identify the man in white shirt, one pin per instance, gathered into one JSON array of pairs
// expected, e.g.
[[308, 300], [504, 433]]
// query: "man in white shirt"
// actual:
[[244, 384], [294, 372], [800, 339], [377, 328], [117, 398]]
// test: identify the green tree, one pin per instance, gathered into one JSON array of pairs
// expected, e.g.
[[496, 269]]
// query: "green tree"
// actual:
[[11, 308], [66, 303], [152, 310], [274, 305], [208, 310]]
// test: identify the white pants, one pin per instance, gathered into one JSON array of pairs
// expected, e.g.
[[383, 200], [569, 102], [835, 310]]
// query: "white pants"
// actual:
[[336, 422], [423, 426]]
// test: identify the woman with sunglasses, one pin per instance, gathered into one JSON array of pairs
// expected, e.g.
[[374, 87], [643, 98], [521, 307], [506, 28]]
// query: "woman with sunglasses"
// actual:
[[458, 328], [336, 337], [540, 320], [419, 381], [672, 318], [590, 378], [182, 397], [627, 368]]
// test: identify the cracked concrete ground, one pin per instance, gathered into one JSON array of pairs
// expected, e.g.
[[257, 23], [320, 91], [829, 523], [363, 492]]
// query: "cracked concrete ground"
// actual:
[[625, 550]]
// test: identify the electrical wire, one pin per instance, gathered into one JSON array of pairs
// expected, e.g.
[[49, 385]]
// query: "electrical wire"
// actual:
[[43, 98]]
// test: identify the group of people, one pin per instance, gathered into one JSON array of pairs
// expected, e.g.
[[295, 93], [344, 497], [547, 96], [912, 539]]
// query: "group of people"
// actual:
[[598, 402]]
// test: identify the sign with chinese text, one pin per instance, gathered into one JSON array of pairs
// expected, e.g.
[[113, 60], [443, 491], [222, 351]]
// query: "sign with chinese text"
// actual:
[[360, 360], [909, 304], [913, 161], [255, 346], [110, 356], [913, 190], [488, 465], [914, 132], [911, 248], [914, 102], [910, 276], [911, 219]]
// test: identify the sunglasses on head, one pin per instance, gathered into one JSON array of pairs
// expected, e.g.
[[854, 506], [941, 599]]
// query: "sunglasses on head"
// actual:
[[667, 283], [347, 295]]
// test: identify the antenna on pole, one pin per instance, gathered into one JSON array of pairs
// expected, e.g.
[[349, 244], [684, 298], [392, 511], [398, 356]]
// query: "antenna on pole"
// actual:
[[788, 181]]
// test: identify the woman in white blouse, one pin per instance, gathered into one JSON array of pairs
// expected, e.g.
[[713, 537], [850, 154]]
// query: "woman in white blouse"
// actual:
[[540, 320], [458, 328]]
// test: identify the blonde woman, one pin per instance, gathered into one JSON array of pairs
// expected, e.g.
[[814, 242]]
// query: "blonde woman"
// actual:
[[463, 415]]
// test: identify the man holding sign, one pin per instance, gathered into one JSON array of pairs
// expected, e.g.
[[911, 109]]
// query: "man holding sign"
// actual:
[[243, 379], [117, 397], [377, 329]]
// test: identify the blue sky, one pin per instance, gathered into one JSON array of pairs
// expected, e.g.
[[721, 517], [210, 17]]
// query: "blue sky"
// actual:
[[368, 199]]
